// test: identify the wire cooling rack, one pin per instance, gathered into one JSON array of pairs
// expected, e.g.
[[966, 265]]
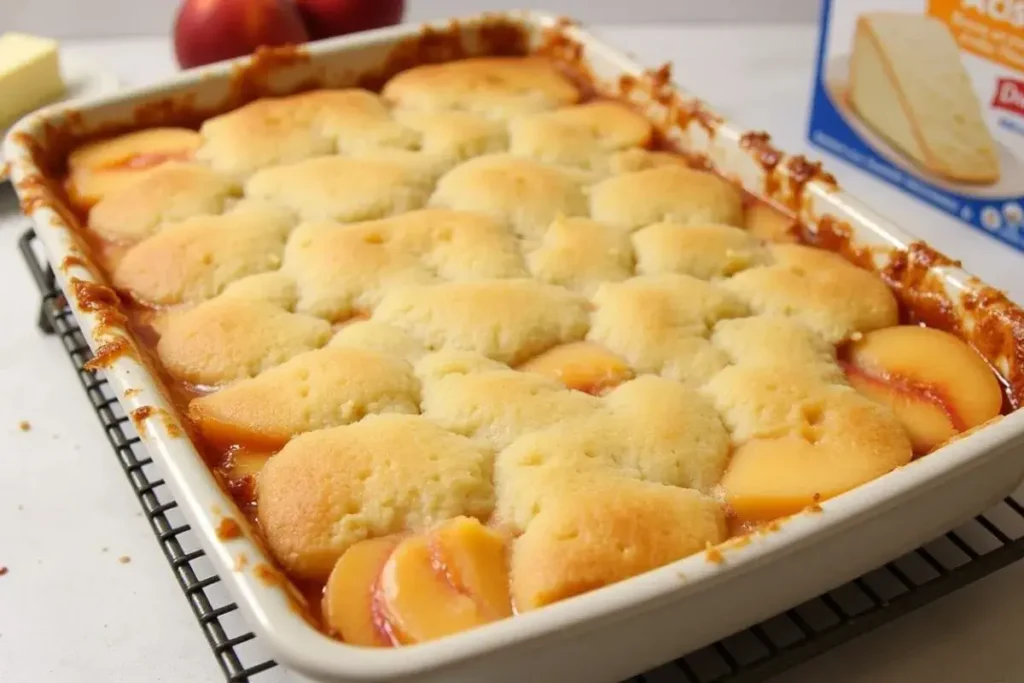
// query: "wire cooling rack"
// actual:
[[989, 542]]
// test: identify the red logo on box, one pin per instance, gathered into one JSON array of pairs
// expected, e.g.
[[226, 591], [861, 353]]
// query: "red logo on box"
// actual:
[[1009, 96]]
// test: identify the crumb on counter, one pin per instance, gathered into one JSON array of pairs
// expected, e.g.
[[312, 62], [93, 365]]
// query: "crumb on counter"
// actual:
[[25, 426], [3, 570], [124, 559]]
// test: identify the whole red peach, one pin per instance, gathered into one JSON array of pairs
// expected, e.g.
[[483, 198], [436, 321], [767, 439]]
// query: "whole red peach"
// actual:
[[328, 18], [207, 31]]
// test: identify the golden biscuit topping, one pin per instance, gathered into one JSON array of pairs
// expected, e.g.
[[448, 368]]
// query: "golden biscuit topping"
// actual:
[[496, 87], [472, 323]]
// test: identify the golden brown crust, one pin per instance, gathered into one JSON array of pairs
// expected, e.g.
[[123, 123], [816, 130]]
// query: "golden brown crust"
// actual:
[[386, 474], [199, 257], [703, 251], [340, 272], [584, 135], [769, 224], [496, 87], [659, 323], [506, 320], [525, 194], [457, 245], [819, 288], [768, 340], [289, 129], [98, 168], [372, 335], [348, 189], [168, 193], [224, 339], [493, 403], [605, 534], [456, 135], [650, 428], [666, 194], [318, 389], [581, 254]]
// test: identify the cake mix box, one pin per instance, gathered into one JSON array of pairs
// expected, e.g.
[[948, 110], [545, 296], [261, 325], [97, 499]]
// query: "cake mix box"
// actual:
[[929, 96]]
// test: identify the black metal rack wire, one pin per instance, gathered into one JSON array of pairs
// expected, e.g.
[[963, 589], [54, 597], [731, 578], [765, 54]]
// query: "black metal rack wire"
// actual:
[[988, 543]]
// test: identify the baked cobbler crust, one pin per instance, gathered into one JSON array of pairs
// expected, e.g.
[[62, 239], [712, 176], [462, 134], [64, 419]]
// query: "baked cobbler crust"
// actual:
[[474, 296]]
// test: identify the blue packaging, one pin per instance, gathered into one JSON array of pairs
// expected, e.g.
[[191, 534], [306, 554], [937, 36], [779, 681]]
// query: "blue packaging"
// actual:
[[928, 95]]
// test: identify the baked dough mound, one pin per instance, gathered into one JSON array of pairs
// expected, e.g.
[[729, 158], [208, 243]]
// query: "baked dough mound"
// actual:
[[496, 87], [507, 320], [196, 259], [650, 428], [283, 130], [581, 254], [475, 295], [526, 195], [102, 167], [606, 533], [669, 194], [348, 189], [703, 251], [660, 324], [332, 386], [225, 339], [165, 194], [492, 403], [819, 288], [386, 474], [584, 135]]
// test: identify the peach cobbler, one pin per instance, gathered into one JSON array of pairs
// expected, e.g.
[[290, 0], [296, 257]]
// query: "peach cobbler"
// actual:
[[476, 343]]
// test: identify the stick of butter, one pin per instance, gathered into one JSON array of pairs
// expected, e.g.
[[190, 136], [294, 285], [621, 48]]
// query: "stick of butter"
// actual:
[[29, 75]]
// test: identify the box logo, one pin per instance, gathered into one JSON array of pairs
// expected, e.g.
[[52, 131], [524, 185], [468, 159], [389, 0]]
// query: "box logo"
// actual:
[[1009, 96]]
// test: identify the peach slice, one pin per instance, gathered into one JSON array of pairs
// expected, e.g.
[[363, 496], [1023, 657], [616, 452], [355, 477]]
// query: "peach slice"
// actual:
[[937, 385], [844, 440], [402, 590], [349, 605], [475, 560], [224, 433], [450, 581], [584, 366], [245, 463], [100, 167]]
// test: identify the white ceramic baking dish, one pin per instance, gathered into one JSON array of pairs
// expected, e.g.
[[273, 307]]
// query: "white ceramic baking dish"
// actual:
[[624, 629]]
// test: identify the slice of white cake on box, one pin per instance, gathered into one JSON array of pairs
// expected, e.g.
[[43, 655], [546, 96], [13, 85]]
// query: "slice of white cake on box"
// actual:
[[29, 75], [908, 84]]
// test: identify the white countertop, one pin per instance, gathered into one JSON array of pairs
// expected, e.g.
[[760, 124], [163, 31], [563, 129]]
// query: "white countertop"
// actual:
[[72, 611]]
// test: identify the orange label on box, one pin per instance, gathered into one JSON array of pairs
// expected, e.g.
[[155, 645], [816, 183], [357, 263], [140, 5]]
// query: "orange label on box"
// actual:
[[992, 29]]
